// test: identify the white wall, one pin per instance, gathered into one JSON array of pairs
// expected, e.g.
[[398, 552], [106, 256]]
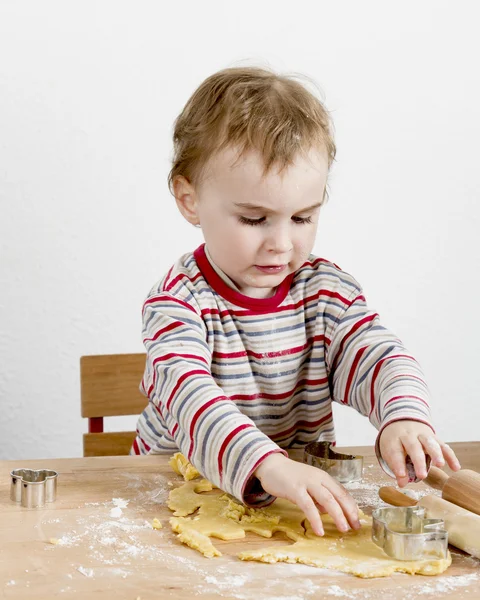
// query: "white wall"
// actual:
[[88, 93]]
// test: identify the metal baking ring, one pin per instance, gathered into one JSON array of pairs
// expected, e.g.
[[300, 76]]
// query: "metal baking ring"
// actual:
[[345, 468]]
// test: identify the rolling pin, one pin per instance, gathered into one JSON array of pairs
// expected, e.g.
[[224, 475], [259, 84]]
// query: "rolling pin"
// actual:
[[462, 487], [462, 525]]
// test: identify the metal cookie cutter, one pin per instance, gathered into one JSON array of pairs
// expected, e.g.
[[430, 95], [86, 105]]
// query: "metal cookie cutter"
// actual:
[[405, 534], [345, 468], [33, 488]]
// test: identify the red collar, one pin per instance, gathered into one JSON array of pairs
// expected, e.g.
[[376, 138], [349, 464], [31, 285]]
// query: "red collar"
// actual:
[[217, 284]]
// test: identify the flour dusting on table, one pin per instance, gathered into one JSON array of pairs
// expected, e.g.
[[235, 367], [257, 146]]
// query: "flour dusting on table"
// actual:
[[117, 533]]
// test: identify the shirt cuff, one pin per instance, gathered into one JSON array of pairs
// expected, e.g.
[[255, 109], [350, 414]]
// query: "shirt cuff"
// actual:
[[252, 493]]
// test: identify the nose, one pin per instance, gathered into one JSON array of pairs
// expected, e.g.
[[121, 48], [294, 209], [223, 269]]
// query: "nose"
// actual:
[[279, 239]]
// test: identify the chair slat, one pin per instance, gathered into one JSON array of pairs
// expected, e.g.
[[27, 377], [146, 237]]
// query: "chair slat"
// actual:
[[115, 443], [110, 385]]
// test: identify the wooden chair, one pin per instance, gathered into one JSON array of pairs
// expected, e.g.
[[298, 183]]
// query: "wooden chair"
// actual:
[[110, 387]]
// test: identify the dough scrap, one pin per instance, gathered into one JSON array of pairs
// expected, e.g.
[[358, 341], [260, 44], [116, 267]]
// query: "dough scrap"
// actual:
[[183, 467], [198, 516], [156, 524]]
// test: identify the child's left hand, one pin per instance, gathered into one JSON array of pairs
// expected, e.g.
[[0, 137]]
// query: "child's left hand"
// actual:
[[414, 439]]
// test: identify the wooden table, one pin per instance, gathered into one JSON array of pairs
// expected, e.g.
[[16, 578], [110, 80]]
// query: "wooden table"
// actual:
[[123, 557]]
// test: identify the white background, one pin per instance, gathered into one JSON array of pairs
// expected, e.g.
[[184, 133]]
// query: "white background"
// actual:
[[88, 94]]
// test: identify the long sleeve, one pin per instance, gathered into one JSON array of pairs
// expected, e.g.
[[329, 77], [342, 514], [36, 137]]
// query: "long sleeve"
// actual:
[[371, 370], [220, 441]]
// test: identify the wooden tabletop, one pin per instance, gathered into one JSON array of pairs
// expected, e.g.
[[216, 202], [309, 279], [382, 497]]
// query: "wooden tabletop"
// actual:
[[102, 553]]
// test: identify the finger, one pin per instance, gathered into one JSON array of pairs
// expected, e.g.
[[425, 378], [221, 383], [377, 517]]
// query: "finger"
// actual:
[[415, 450], [433, 449], [450, 456], [394, 456], [326, 499], [346, 502], [307, 505]]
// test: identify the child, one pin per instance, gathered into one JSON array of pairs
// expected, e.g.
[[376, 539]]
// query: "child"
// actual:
[[250, 338]]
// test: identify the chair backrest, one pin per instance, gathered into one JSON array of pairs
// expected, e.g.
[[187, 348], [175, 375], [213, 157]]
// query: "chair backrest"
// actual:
[[110, 387]]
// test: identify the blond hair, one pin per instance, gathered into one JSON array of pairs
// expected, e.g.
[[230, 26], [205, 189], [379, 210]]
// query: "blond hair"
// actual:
[[253, 109]]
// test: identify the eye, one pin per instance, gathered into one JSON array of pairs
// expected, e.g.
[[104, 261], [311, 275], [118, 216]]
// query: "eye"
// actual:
[[302, 220], [246, 221]]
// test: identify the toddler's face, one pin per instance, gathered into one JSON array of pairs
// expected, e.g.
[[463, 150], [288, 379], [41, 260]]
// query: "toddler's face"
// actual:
[[259, 229]]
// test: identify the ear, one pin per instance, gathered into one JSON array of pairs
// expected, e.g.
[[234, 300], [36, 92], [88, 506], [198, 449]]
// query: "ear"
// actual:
[[186, 199]]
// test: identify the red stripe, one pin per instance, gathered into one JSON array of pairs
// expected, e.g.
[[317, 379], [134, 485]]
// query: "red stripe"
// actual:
[[165, 281], [196, 416], [281, 395], [285, 308], [355, 328], [352, 372], [409, 375], [170, 355], [406, 396], [226, 441], [175, 354], [181, 379], [153, 299], [375, 375], [181, 276], [259, 461], [298, 424], [135, 447], [174, 430], [403, 419], [244, 353], [173, 325]]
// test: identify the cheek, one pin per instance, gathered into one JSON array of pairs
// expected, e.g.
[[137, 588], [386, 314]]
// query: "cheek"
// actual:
[[304, 243]]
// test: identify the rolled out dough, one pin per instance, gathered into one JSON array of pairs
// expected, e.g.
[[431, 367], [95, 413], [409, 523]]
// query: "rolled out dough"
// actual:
[[199, 516]]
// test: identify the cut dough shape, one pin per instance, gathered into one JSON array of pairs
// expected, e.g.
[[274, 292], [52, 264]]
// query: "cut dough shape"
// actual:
[[219, 516]]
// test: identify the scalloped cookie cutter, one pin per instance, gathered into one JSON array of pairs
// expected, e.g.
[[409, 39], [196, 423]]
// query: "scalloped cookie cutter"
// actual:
[[345, 468], [32, 488], [404, 533]]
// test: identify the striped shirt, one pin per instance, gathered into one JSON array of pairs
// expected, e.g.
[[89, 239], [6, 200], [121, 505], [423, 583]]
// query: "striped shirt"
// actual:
[[231, 379]]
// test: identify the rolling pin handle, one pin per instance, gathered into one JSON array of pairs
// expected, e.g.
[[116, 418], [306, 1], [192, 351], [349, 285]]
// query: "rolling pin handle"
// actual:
[[392, 496], [436, 478]]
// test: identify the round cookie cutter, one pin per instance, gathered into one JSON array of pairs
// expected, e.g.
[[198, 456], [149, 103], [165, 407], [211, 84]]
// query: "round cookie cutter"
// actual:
[[345, 468]]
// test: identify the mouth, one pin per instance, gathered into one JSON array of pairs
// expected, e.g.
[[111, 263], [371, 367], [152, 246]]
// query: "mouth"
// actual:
[[271, 269]]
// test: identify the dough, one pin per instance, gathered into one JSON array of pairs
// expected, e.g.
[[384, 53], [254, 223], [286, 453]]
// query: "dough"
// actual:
[[181, 466], [220, 516]]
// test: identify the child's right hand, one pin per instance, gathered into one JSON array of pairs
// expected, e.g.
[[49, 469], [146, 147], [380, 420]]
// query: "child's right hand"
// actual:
[[310, 489]]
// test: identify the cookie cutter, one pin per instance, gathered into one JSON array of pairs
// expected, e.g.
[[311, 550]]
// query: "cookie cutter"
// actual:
[[404, 533], [345, 468], [32, 488], [412, 476]]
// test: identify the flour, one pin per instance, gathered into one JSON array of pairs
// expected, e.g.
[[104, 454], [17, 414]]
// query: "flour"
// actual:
[[113, 545], [447, 584], [120, 502], [123, 574], [335, 590], [150, 491], [86, 572], [366, 493], [234, 580]]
